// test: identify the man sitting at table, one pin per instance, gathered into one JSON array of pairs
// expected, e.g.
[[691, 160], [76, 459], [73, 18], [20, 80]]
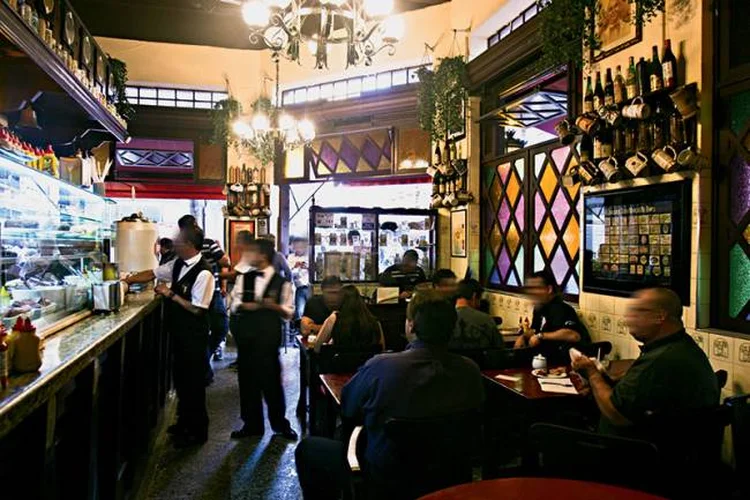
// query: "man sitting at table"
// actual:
[[423, 381], [444, 281], [320, 307], [555, 325], [474, 329], [671, 375], [406, 276]]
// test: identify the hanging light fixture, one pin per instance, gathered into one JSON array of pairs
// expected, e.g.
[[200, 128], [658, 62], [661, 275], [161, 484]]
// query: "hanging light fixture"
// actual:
[[363, 26]]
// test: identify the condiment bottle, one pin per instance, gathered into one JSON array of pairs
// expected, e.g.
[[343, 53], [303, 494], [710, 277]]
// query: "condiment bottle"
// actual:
[[4, 357], [26, 351]]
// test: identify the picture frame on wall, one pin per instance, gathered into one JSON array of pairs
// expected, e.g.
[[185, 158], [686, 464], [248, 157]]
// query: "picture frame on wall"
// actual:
[[614, 28], [262, 228], [458, 233], [234, 227]]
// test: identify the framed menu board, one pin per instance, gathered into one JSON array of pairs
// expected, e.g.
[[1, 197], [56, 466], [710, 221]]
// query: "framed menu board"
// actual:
[[637, 238]]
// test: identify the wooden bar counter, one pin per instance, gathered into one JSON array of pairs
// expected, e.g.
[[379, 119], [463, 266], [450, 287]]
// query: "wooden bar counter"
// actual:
[[83, 426]]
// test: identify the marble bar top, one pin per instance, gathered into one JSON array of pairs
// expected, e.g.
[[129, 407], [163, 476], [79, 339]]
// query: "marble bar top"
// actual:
[[66, 354]]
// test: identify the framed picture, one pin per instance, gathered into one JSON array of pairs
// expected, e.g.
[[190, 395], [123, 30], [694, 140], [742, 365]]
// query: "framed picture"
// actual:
[[614, 28], [262, 228], [457, 135], [458, 233], [234, 227]]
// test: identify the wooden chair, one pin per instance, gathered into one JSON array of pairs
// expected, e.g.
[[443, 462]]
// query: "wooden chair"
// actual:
[[721, 377]]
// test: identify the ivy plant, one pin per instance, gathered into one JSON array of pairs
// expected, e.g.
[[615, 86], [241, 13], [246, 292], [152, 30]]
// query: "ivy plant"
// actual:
[[442, 97], [228, 110], [120, 79]]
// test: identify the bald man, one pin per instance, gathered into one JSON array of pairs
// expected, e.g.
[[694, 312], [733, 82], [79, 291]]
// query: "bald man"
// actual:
[[671, 375]]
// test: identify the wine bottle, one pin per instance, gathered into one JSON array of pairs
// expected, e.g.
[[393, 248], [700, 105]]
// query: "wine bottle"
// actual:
[[658, 127], [598, 92], [676, 127], [644, 78], [609, 89], [438, 155], [669, 66], [656, 80], [588, 98], [587, 148], [631, 84], [631, 138], [619, 87], [645, 142], [618, 140]]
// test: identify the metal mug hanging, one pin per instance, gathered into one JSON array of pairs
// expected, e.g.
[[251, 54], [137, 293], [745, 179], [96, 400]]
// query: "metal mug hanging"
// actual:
[[637, 109], [685, 100], [687, 158], [609, 168], [666, 158], [587, 124], [636, 163], [565, 132], [611, 116]]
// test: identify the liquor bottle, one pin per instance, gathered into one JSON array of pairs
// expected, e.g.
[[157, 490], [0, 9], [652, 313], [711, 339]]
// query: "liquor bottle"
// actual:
[[631, 138], [659, 128], [597, 147], [4, 357], [263, 175], [631, 84], [643, 77], [618, 140], [454, 151], [657, 80], [619, 87], [255, 175], [588, 98], [609, 89], [438, 155], [587, 148], [669, 66], [645, 142], [676, 127], [605, 143], [598, 92]]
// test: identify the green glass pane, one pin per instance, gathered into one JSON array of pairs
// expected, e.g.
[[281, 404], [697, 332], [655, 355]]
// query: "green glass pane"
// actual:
[[739, 280], [489, 173], [489, 261], [739, 112]]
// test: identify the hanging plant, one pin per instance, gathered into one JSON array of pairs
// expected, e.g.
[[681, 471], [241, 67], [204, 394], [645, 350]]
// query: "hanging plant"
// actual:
[[442, 97], [225, 113], [120, 79], [568, 28]]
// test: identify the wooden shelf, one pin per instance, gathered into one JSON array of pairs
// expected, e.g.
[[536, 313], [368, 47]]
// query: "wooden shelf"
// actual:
[[17, 31]]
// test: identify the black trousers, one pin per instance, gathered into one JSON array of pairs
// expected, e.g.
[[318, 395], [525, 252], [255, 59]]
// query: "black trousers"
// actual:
[[217, 316], [189, 372], [259, 377], [322, 468]]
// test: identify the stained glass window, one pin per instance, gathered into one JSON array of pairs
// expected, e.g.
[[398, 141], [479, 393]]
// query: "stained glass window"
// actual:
[[530, 220]]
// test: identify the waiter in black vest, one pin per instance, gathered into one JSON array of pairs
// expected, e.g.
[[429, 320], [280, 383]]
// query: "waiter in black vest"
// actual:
[[261, 300], [187, 301]]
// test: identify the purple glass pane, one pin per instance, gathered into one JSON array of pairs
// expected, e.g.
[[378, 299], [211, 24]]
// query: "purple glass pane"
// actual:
[[503, 264], [503, 215], [560, 208], [559, 265], [349, 155], [329, 156], [560, 156], [371, 153], [388, 147], [539, 210], [740, 185], [520, 214]]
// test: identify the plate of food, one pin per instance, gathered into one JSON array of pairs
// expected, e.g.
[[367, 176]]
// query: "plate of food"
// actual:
[[560, 372]]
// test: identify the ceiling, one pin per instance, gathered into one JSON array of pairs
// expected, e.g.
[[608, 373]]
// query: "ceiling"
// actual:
[[194, 22]]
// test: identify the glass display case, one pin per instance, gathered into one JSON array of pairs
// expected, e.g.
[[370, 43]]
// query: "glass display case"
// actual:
[[358, 244], [54, 237]]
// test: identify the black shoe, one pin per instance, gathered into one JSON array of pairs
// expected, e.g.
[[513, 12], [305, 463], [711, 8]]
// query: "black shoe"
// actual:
[[246, 432], [176, 429], [288, 434], [190, 440]]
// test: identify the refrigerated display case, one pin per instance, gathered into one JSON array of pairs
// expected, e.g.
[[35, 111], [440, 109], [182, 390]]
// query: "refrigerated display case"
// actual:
[[54, 237], [358, 244]]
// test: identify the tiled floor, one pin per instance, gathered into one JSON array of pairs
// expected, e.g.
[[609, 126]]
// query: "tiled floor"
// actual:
[[227, 469]]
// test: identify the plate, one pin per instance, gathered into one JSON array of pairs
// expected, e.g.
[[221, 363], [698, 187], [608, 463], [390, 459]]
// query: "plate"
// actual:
[[70, 29], [86, 51], [544, 374]]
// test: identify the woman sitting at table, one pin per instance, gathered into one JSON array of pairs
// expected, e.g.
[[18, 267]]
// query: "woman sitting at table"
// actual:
[[353, 326]]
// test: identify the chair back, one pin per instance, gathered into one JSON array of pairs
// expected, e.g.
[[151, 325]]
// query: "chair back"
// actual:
[[568, 453], [436, 452], [739, 415], [336, 360], [721, 378]]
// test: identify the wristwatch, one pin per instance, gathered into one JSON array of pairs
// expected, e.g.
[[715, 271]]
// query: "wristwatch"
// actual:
[[540, 336], [171, 295]]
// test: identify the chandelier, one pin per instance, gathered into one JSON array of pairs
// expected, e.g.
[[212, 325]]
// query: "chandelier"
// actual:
[[363, 26]]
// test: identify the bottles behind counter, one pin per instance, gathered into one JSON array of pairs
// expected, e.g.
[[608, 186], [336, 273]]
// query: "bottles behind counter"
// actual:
[[25, 347]]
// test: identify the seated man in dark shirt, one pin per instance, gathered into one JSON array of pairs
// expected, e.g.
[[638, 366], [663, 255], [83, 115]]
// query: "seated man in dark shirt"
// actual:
[[474, 329], [423, 381], [671, 375], [444, 281], [555, 326], [319, 307], [406, 276]]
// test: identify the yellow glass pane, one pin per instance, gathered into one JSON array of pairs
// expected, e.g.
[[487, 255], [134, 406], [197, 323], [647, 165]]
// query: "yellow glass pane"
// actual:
[[548, 183], [513, 189], [502, 171], [572, 238], [496, 190], [573, 190], [513, 239], [496, 239], [746, 234], [548, 237]]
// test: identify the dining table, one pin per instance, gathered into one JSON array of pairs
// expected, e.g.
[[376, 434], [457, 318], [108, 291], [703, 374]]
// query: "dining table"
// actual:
[[537, 488]]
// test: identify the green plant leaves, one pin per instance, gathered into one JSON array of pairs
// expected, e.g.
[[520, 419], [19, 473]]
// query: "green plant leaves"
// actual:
[[442, 96]]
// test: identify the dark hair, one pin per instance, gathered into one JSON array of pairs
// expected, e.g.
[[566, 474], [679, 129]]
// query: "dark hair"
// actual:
[[442, 274], [411, 254], [433, 316], [547, 278], [468, 289], [192, 235], [356, 326], [166, 243], [244, 237], [330, 281], [187, 220], [299, 239], [265, 248]]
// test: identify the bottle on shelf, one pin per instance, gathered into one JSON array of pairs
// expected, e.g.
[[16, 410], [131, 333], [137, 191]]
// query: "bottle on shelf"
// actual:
[[631, 137], [597, 152], [438, 155], [643, 76], [656, 80], [598, 92], [676, 127], [669, 66], [255, 175], [588, 97], [659, 128], [587, 148], [263, 175], [619, 87], [645, 141], [609, 89], [618, 140], [605, 139], [631, 84]]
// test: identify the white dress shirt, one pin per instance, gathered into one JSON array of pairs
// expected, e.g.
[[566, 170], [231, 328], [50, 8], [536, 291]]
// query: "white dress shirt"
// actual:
[[261, 282], [203, 288]]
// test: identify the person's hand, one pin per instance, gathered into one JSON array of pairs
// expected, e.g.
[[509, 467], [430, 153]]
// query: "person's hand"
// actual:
[[161, 289], [223, 292], [535, 341], [520, 342], [584, 365], [250, 306], [405, 295], [269, 303]]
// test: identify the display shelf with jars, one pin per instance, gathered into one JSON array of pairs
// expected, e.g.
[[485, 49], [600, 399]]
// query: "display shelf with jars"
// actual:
[[248, 192], [357, 244]]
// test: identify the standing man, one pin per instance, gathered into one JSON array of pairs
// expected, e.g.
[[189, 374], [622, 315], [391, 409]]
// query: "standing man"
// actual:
[[187, 303], [262, 300], [217, 315], [298, 262], [406, 276]]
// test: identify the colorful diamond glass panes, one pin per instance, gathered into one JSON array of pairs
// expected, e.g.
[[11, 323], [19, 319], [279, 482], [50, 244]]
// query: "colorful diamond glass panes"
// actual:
[[538, 259], [572, 238], [496, 190], [571, 287], [560, 208], [503, 171], [503, 215], [559, 265], [559, 156], [740, 188], [520, 212], [548, 237], [539, 163], [513, 189], [520, 262], [496, 239], [503, 264], [548, 183], [495, 278], [739, 112], [739, 284], [489, 262], [513, 238], [512, 280], [519, 166], [539, 211]]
